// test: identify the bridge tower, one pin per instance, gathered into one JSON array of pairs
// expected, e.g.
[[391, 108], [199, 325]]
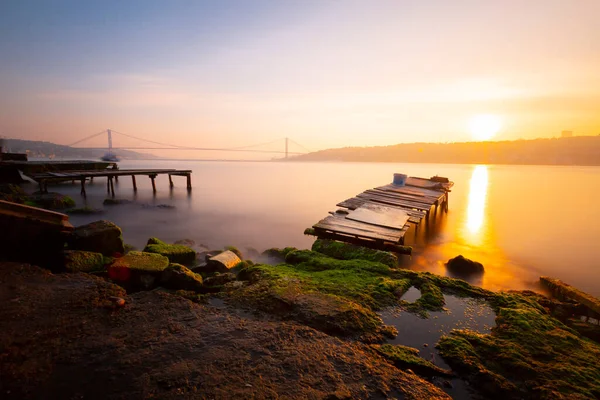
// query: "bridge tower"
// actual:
[[109, 141]]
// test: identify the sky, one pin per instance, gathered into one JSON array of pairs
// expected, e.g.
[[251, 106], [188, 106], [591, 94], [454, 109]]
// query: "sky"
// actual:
[[326, 74]]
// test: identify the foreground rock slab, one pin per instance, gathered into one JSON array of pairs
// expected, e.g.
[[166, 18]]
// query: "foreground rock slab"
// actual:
[[159, 345]]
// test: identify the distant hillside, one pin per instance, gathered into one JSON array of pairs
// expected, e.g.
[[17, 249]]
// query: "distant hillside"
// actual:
[[581, 150], [37, 149]]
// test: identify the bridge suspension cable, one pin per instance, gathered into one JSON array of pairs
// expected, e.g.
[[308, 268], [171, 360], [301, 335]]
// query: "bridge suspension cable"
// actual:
[[177, 147]]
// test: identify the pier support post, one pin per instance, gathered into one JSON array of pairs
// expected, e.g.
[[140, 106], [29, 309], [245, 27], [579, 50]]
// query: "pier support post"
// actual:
[[189, 181], [83, 187], [152, 177], [108, 184], [171, 181], [112, 187], [134, 183], [446, 202], [117, 178]]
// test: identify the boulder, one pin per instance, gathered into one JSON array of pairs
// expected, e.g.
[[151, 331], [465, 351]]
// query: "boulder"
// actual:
[[176, 253], [138, 270], [83, 261], [51, 201], [178, 277], [100, 237], [223, 262], [347, 251], [463, 266]]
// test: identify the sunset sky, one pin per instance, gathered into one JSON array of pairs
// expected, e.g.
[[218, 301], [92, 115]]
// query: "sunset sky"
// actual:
[[324, 73]]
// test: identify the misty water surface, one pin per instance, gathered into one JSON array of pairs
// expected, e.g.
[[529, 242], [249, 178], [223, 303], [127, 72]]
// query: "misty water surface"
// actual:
[[519, 221]]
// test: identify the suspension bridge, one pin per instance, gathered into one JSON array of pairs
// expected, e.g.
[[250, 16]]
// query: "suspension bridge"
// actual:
[[254, 148]]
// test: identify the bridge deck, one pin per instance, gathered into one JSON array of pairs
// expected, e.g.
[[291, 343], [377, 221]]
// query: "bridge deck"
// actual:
[[43, 178], [380, 217]]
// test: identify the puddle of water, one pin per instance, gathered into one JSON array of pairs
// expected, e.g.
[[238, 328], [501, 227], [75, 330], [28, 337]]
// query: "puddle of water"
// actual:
[[424, 333]]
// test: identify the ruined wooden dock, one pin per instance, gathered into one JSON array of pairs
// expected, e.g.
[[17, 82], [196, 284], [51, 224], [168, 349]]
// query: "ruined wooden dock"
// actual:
[[380, 217], [112, 174]]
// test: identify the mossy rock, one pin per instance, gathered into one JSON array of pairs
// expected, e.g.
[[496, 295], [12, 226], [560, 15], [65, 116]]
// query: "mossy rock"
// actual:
[[346, 251], [51, 201], [178, 277], [83, 261], [328, 313], [101, 236], [235, 251], [405, 357], [13, 193], [275, 255], [176, 253], [529, 354], [138, 270]]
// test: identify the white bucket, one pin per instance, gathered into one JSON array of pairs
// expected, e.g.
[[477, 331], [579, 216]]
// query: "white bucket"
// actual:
[[400, 179]]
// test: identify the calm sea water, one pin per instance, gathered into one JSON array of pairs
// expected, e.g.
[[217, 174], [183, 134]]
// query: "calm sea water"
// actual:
[[521, 222]]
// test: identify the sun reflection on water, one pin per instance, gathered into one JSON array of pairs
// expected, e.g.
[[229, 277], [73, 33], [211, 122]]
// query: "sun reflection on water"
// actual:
[[476, 205]]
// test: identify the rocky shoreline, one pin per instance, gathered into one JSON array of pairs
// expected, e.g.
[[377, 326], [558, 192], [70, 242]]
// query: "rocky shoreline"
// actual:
[[170, 321]]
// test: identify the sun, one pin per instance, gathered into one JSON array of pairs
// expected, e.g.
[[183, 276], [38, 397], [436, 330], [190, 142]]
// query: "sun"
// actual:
[[484, 126]]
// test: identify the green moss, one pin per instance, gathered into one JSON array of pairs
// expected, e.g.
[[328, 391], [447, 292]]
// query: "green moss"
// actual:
[[176, 253], [345, 251], [277, 253], [83, 261], [234, 250], [405, 357], [142, 261], [128, 247], [13, 193], [529, 354]]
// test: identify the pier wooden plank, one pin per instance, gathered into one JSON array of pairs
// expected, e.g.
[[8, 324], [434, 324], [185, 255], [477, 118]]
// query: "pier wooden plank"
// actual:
[[411, 190], [378, 215], [404, 196], [355, 202], [391, 201], [349, 227], [409, 202]]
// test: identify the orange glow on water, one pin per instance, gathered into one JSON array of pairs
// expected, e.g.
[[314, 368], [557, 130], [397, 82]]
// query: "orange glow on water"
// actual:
[[477, 203]]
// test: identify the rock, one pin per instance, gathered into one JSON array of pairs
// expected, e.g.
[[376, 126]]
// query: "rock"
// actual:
[[13, 193], [83, 261], [235, 250], [219, 279], [275, 255], [408, 357], [176, 253], [178, 277], [115, 202], [252, 253], [117, 301], [463, 266], [138, 270], [100, 237], [223, 262], [51, 201], [347, 251], [206, 255]]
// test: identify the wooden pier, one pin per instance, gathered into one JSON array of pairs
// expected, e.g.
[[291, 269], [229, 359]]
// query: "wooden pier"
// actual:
[[112, 174], [380, 217]]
